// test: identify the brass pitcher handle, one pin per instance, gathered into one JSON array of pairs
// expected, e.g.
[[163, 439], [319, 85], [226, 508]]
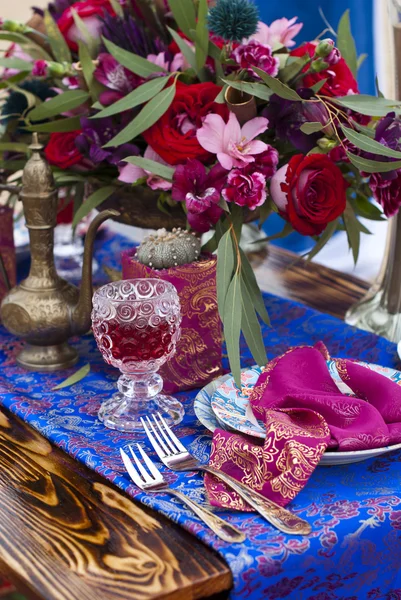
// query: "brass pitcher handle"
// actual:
[[221, 528], [279, 517]]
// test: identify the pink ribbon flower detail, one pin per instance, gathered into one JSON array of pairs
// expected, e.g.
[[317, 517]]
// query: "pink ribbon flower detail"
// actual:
[[233, 145]]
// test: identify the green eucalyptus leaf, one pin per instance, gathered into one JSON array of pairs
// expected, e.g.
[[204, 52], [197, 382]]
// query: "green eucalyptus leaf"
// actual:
[[232, 326], [57, 42], [251, 327], [60, 125], [250, 281], [318, 86], [184, 15], [16, 63], [134, 63], [79, 196], [373, 166], [361, 60], [30, 47], [88, 70], [312, 127], [365, 208], [91, 44], [366, 143], [277, 86], [225, 268], [368, 105], [221, 96], [202, 35], [364, 129], [186, 50], [253, 89], [59, 104], [118, 9], [152, 166], [323, 239], [287, 229], [140, 95], [14, 147], [264, 212], [75, 378], [93, 201], [150, 113], [352, 229], [346, 43], [293, 67]]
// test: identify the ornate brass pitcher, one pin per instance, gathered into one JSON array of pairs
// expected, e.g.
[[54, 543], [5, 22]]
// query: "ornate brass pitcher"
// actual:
[[44, 309]]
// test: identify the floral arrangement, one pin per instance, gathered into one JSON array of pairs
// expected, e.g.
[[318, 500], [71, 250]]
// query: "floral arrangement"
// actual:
[[211, 109]]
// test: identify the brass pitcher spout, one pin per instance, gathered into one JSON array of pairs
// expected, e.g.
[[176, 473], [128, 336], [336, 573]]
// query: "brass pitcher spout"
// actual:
[[81, 318]]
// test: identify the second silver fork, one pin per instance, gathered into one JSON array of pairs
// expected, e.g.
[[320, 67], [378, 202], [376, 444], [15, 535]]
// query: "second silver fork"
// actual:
[[175, 456]]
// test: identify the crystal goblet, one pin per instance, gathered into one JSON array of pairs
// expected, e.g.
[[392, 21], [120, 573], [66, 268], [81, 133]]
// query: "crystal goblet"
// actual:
[[136, 324]]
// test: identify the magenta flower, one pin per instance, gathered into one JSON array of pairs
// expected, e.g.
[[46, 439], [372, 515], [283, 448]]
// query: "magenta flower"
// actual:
[[280, 32], [266, 163], [173, 64], [245, 187], [116, 78], [233, 145], [130, 173], [200, 190], [254, 54], [39, 68]]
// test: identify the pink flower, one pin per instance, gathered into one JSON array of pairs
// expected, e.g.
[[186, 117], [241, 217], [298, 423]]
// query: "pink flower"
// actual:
[[131, 173], [115, 77], [280, 32], [15, 51], [234, 146], [245, 187], [200, 190], [255, 54], [178, 62], [71, 82], [39, 68]]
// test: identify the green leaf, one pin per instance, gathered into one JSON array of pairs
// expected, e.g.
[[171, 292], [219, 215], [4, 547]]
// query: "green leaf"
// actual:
[[361, 60], [150, 113], [379, 93], [58, 105], [14, 147], [293, 67], [30, 47], [59, 46], [373, 166], [232, 326], [251, 327], [184, 15], [94, 200], [363, 129], [61, 125], [141, 94], [250, 281], [323, 239], [367, 209], [152, 166], [264, 212], [286, 230], [221, 96], [254, 89], [346, 43], [353, 230], [136, 64], [16, 63], [225, 268], [368, 105], [118, 9], [277, 87], [366, 143], [91, 44], [312, 127], [75, 378], [186, 50], [318, 86], [202, 35], [88, 70]]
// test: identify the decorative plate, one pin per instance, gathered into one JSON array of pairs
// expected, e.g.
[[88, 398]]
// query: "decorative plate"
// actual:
[[240, 417]]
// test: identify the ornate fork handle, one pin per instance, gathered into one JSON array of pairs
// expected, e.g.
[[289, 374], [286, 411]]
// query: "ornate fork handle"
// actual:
[[278, 516], [224, 530]]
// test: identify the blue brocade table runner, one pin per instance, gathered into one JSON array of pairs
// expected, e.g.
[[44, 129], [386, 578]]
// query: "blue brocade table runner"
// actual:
[[354, 551]]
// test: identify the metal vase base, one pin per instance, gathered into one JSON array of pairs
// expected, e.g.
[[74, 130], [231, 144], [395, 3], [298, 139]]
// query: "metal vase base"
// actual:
[[47, 359]]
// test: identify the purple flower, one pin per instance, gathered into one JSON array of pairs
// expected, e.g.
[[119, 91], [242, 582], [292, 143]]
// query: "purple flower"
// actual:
[[130, 35], [95, 134], [200, 190], [256, 54], [116, 78], [246, 187], [39, 68]]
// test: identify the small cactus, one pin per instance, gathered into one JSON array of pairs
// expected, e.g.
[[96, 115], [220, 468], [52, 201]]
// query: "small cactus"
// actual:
[[166, 249]]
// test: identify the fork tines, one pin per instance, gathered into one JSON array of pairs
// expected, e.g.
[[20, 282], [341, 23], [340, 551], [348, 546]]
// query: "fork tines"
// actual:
[[163, 440], [140, 475]]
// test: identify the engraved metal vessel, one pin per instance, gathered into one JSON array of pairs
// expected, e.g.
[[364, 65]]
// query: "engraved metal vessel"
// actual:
[[45, 310]]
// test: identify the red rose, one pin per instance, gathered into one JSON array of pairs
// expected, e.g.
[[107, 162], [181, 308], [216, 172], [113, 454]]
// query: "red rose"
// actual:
[[173, 137], [309, 192], [91, 12], [340, 80], [61, 150]]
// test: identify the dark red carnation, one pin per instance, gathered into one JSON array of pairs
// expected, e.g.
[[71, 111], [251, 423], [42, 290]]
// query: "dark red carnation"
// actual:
[[61, 150], [309, 192], [173, 136], [340, 80], [91, 13]]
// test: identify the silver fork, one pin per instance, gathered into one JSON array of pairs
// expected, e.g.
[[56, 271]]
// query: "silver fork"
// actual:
[[151, 480], [176, 457]]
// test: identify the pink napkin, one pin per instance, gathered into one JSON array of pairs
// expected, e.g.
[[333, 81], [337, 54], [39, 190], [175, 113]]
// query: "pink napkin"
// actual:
[[304, 413]]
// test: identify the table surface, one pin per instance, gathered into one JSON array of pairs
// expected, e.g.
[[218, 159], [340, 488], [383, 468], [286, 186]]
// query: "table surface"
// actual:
[[68, 534]]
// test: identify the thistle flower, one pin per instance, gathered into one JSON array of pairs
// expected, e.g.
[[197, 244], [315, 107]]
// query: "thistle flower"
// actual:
[[233, 20], [130, 35]]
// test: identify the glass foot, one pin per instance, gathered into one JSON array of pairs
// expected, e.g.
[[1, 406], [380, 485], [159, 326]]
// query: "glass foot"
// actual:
[[124, 413]]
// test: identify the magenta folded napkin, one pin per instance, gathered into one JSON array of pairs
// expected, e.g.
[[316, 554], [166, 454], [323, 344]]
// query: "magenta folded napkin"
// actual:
[[304, 413]]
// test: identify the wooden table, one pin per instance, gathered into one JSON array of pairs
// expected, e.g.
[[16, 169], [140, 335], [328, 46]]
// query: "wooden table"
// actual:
[[67, 534]]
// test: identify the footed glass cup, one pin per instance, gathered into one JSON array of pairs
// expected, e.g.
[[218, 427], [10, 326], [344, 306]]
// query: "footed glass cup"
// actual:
[[136, 324]]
